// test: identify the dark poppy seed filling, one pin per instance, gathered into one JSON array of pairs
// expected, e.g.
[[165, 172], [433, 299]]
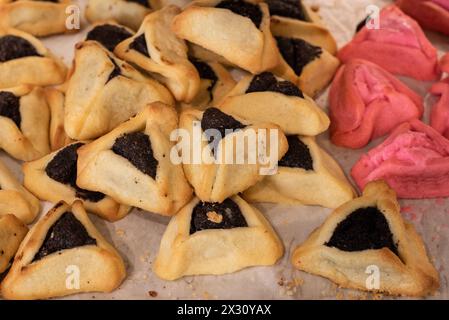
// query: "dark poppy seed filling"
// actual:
[[297, 156], [365, 228], [215, 119], [206, 72], [67, 233], [266, 81], [136, 148], [297, 52], [287, 8], [212, 215], [63, 169], [108, 35], [244, 9], [10, 107], [141, 2], [13, 47], [140, 45], [115, 72]]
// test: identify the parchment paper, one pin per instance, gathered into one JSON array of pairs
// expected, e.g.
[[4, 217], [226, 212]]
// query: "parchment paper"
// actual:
[[138, 235]]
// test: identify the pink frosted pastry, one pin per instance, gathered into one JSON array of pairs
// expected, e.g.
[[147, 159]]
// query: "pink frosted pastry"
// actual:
[[431, 14], [439, 118], [399, 46], [413, 160], [445, 63], [367, 102]]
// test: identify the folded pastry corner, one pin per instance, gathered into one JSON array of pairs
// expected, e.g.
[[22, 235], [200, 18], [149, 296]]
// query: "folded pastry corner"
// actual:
[[12, 232], [127, 12], [15, 199], [236, 30], [367, 102], [431, 14], [39, 18], [215, 82], [397, 44], [266, 98], [225, 155], [216, 238], [104, 91], [63, 254], [366, 235], [439, 117], [25, 60], [306, 175], [24, 122], [58, 136], [413, 160], [53, 178], [309, 66], [133, 163], [298, 20], [157, 50]]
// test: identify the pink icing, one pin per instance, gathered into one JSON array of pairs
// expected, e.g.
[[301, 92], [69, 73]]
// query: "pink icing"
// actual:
[[367, 102], [442, 3], [395, 29], [431, 14], [414, 160], [399, 46], [439, 117]]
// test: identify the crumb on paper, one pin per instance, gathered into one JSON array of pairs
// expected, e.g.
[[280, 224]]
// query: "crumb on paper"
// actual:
[[289, 288], [120, 232], [315, 8], [206, 295], [152, 293]]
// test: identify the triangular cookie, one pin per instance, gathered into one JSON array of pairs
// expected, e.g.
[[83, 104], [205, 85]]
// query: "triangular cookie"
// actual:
[[156, 49], [215, 82], [133, 163], [12, 232], [264, 97], [104, 91], [413, 160], [298, 20], [309, 66], [306, 175], [236, 30], [368, 237], [53, 178], [15, 199], [216, 238], [39, 18], [213, 171], [63, 254], [126, 12], [25, 60], [24, 122], [396, 44], [367, 102]]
